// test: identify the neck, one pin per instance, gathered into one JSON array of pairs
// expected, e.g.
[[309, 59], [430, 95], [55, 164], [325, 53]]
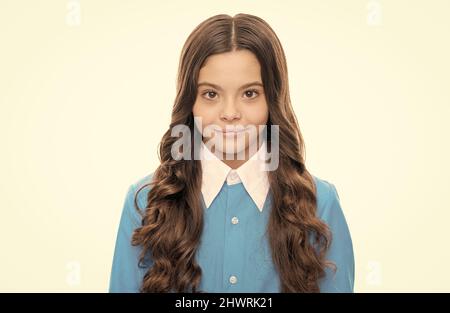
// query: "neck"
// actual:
[[233, 161], [234, 164]]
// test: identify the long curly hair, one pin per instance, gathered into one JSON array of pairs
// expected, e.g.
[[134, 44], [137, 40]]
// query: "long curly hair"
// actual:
[[172, 221]]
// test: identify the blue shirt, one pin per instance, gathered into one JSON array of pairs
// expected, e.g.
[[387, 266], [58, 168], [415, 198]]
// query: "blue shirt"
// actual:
[[234, 253]]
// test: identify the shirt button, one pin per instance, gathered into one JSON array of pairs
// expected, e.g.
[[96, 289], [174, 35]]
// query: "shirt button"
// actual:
[[233, 279], [233, 175], [234, 220]]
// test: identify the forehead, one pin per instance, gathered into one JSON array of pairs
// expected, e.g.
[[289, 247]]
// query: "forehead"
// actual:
[[235, 66]]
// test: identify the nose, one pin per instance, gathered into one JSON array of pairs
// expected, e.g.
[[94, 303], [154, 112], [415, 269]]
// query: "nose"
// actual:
[[230, 112]]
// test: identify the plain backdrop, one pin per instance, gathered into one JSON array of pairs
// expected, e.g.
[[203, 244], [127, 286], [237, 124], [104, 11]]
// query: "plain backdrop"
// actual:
[[86, 91]]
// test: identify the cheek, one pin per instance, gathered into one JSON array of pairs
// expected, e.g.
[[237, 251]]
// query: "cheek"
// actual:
[[257, 115], [201, 111], [203, 114]]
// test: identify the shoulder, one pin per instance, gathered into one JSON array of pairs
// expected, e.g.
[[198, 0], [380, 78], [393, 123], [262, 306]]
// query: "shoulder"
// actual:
[[328, 202], [139, 189], [329, 210], [142, 181]]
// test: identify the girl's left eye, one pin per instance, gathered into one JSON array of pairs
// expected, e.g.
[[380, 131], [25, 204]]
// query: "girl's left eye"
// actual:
[[251, 91]]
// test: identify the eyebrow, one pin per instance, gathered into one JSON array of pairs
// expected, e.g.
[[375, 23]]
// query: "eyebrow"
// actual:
[[255, 83]]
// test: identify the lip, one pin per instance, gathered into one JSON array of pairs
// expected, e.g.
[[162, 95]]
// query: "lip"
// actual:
[[237, 130], [230, 134]]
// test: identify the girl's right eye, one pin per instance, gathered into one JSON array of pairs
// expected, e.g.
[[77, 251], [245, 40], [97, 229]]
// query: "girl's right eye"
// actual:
[[209, 94]]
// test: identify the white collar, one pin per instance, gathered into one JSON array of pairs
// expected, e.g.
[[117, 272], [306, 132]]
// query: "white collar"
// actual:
[[253, 175]]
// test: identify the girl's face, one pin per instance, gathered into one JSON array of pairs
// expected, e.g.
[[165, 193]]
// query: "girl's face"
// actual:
[[230, 97]]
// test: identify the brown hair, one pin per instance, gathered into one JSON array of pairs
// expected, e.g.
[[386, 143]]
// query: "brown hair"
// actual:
[[173, 219]]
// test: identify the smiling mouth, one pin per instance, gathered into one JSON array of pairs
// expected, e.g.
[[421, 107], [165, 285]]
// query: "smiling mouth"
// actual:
[[231, 131], [230, 134]]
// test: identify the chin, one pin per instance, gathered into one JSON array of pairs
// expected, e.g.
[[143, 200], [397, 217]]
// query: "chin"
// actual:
[[235, 149]]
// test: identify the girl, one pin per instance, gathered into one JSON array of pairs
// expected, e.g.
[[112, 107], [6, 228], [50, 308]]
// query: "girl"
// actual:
[[208, 223]]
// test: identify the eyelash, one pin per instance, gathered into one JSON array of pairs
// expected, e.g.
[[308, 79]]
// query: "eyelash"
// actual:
[[252, 90]]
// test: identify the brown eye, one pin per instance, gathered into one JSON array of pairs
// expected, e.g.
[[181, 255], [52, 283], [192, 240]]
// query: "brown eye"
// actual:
[[251, 92], [210, 94]]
